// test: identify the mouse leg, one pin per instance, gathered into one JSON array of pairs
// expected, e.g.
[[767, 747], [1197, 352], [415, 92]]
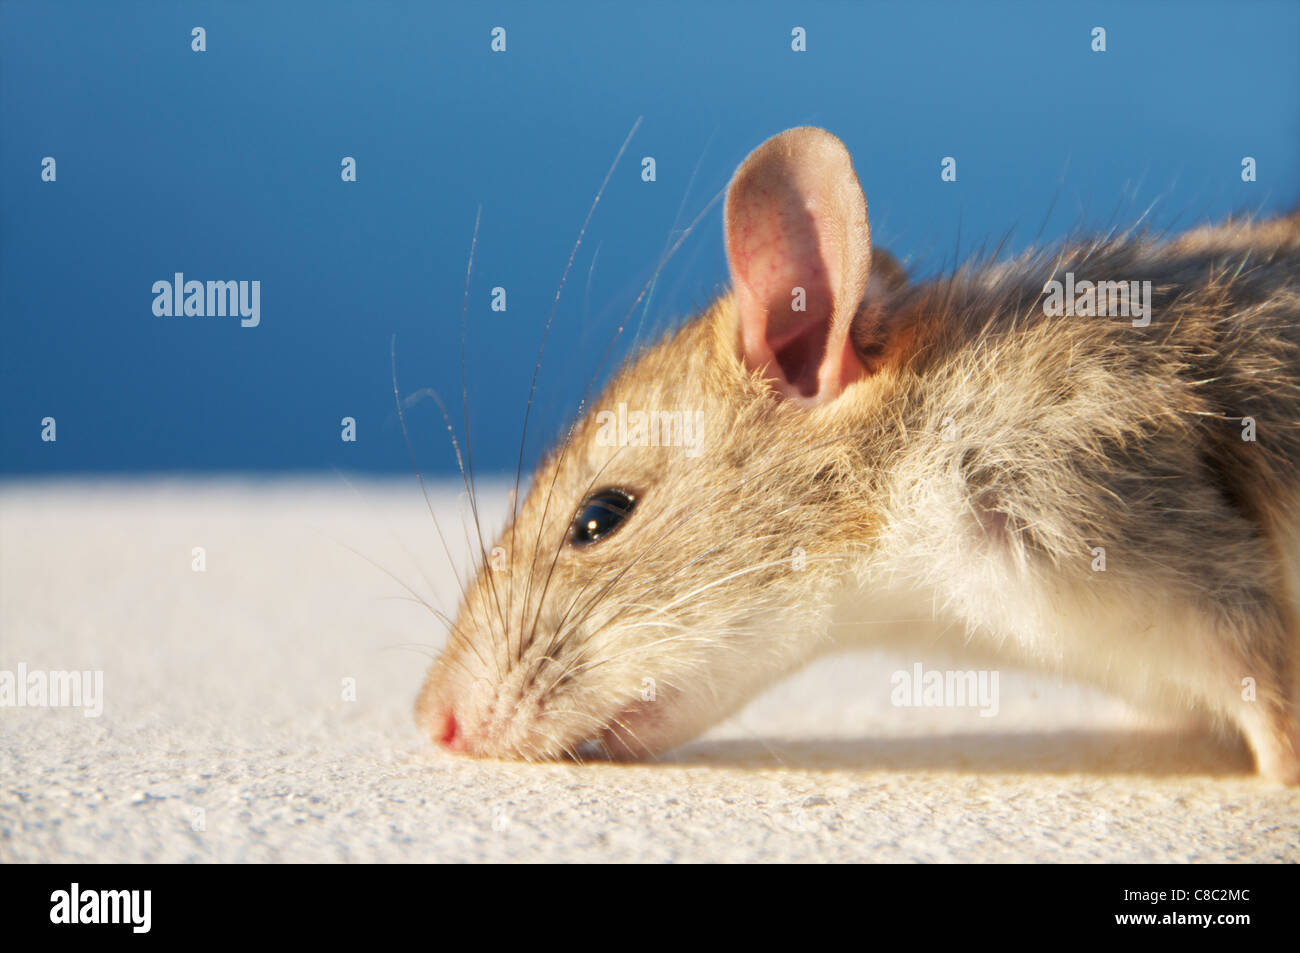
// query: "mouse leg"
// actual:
[[1264, 705], [1271, 733]]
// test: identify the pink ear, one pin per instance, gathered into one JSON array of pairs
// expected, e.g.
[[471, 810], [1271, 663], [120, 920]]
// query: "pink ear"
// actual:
[[796, 219]]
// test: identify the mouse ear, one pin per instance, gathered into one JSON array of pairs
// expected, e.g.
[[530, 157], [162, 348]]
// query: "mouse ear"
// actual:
[[799, 250]]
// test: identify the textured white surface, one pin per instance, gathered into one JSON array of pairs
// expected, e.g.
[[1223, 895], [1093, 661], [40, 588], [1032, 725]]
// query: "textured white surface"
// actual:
[[223, 695]]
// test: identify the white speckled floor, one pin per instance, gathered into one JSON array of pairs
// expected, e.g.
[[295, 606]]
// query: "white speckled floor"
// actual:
[[223, 710]]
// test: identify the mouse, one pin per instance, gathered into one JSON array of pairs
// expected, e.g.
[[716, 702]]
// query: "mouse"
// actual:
[[1083, 460]]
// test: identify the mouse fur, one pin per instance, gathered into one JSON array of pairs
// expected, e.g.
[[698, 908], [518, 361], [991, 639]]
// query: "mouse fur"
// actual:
[[945, 445]]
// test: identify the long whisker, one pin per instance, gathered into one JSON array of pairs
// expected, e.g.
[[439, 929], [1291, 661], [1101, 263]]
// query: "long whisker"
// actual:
[[401, 417], [467, 471], [689, 514], [687, 636], [532, 387], [453, 635], [400, 542], [550, 738], [600, 365], [451, 435], [664, 255], [591, 381], [556, 558], [599, 597]]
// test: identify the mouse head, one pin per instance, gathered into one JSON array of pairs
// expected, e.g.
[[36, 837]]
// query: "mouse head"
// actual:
[[676, 552]]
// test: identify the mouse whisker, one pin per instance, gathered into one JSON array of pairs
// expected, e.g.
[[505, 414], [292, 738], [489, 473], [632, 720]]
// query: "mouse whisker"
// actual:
[[700, 506], [559, 548], [551, 739], [401, 417], [689, 635], [550, 318], [452, 632], [467, 468], [595, 376]]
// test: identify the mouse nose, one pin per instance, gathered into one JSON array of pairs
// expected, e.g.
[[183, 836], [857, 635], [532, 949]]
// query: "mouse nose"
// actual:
[[437, 717], [446, 731]]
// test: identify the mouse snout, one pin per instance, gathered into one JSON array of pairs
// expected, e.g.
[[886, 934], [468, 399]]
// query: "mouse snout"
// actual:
[[439, 721], [446, 731]]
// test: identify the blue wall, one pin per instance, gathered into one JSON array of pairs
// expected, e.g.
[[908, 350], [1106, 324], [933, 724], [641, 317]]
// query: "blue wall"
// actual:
[[225, 164]]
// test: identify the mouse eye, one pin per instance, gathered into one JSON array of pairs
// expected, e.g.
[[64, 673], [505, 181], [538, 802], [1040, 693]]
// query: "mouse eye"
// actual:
[[601, 514]]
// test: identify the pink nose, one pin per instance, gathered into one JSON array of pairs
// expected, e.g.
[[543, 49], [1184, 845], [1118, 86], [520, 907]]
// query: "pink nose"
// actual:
[[447, 732]]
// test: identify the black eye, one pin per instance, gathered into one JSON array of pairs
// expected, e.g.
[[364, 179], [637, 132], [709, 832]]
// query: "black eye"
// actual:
[[600, 515]]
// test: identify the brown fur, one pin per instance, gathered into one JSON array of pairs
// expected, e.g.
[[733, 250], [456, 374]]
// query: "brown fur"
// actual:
[[987, 453]]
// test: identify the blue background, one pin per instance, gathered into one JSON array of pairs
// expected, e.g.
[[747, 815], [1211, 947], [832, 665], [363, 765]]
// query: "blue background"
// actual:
[[225, 165]]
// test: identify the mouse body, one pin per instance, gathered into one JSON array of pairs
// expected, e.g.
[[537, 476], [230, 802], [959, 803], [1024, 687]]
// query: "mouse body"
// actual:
[[1085, 460]]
